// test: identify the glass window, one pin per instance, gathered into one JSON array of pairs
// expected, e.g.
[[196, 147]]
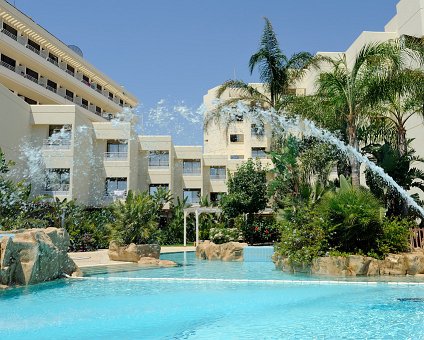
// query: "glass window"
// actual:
[[98, 109], [257, 130], [52, 84], [191, 167], [33, 44], [236, 138], [192, 196], [9, 61], [218, 172], [32, 73], [10, 29], [117, 149], [258, 153], [159, 159], [53, 58], [237, 157], [153, 188], [69, 94], [57, 180], [116, 186]]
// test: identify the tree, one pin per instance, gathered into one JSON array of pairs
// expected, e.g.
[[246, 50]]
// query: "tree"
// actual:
[[247, 191], [277, 72], [344, 89]]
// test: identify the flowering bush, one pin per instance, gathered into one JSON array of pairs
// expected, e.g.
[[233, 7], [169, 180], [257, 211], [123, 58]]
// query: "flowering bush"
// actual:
[[222, 234]]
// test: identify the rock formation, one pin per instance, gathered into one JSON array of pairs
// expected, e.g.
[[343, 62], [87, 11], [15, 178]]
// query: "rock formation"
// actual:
[[358, 265], [35, 255], [231, 251], [143, 254]]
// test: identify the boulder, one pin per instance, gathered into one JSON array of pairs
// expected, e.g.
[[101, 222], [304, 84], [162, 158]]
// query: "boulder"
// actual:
[[35, 255], [415, 263], [394, 264], [133, 252], [153, 262], [231, 251], [330, 265]]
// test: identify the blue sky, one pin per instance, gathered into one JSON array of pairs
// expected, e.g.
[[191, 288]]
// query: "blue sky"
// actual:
[[172, 52]]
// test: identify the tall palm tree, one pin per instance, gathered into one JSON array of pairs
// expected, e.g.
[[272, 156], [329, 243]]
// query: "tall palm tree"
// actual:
[[277, 72], [396, 91], [344, 90]]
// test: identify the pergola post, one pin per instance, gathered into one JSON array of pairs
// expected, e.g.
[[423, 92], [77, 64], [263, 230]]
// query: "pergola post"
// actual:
[[197, 227], [185, 228]]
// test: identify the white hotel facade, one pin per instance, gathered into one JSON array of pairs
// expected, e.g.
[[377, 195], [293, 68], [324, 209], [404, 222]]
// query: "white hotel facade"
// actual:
[[59, 110]]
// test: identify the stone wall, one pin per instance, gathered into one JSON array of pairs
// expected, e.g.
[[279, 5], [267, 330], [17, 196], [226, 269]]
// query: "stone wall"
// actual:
[[231, 251], [357, 265], [35, 255]]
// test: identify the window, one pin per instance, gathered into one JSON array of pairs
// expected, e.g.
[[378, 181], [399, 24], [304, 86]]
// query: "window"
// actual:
[[116, 186], [98, 109], [192, 196], [31, 75], [8, 62], [51, 85], [153, 188], [33, 46], [69, 95], [236, 138], [257, 130], [237, 157], [84, 103], [85, 80], [191, 167], [99, 87], [218, 172], [116, 150], [121, 102], [258, 153], [30, 101], [239, 117], [57, 180], [70, 70], [10, 31], [159, 159], [216, 197], [53, 58], [110, 95]]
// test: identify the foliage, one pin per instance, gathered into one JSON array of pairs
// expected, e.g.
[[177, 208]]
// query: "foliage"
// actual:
[[263, 230], [136, 220], [395, 236], [246, 190], [221, 234], [352, 218], [172, 232], [302, 236], [399, 167]]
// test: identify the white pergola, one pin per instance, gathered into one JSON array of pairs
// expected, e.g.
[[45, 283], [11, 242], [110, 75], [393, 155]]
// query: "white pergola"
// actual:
[[197, 211]]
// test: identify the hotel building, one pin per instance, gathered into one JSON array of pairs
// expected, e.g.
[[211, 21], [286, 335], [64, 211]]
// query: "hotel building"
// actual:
[[61, 121]]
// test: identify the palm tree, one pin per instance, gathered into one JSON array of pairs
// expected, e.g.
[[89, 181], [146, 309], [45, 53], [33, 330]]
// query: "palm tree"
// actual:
[[396, 91], [277, 72], [344, 90]]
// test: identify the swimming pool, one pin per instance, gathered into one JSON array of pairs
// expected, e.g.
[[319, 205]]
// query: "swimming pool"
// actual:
[[130, 304]]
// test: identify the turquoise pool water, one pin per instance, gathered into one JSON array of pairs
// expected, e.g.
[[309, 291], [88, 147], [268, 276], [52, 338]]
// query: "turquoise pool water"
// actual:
[[132, 305]]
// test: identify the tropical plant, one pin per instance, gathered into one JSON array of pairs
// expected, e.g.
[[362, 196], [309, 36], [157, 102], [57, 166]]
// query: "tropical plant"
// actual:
[[352, 218], [395, 236], [135, 219], [277, 72]]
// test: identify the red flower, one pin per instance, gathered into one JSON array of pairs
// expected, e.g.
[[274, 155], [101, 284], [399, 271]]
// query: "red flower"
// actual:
[[266, 231], [256, 228]]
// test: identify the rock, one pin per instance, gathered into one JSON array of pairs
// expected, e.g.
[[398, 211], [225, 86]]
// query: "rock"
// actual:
[[415, 263], [231, 251], [153, 262], [394, 264], [35, 255], [330, 265], [133, 252], [284, 265]]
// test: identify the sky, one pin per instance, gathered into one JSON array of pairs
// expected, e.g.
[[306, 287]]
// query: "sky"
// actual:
[[169, 53]]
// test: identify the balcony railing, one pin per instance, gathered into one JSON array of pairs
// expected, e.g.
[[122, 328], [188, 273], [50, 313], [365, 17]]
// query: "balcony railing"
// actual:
[[54, 62], [33, 49], [164, 165], [48, 87], [56, 190], [218, 177], [116, 194], [84, 106], [69, 98], [35, 80], [70, 72], [116, 156], [56, 144], [191, 172], [10, 34], [85, 82], [10, 67]]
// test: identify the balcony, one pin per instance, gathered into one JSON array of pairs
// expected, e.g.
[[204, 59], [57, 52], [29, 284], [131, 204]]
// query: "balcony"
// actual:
[[219, 177], [70, 72], [116, 156], [33, 49], [54, 62], [9, 34], [51, 88], [10, 67], [57, 190], [191, 172], [56, 144], [33, 79]]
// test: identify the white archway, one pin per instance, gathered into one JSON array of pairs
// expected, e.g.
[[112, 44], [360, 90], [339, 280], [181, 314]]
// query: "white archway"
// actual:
[[197, 210]]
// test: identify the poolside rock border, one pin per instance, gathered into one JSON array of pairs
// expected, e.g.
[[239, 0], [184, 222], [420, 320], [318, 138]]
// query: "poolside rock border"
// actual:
[[35, 255], [357, 265], [230, 251], [132, 252]]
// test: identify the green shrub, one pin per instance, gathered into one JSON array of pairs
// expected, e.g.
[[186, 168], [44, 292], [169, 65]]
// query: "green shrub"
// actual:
[[352, 219], [395, 236], [302, 237], [220, 234]]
